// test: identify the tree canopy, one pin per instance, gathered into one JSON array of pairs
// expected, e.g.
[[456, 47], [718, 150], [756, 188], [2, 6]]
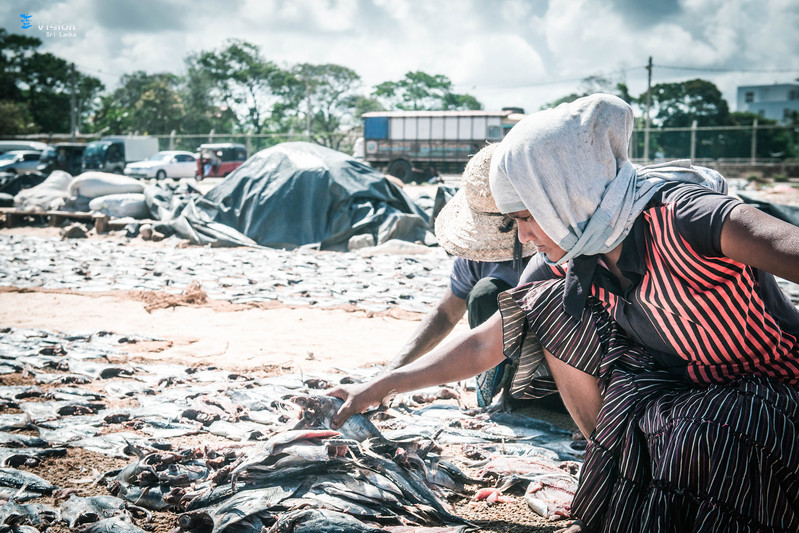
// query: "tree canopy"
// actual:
[[41, 84], [597, 83], [247, 83], [421, 91]]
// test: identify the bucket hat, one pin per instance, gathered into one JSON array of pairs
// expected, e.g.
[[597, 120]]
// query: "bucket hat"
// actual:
[[470, 225]]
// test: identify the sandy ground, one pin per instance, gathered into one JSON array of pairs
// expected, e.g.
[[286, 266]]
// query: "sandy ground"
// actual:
[[231, 337], [238, 337], [268, 340]]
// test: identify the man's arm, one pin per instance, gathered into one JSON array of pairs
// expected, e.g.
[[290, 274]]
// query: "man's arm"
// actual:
[[761, 241], [436, 325]]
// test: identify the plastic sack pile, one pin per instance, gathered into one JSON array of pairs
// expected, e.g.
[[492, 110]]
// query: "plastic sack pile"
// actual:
[[290, 195]]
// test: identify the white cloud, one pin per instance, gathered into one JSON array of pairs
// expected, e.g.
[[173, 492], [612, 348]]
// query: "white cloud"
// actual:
[[504, 52]]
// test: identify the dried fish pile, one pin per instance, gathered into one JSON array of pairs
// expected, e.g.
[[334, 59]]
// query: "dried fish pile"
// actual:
[[239, 275], [279, 467]]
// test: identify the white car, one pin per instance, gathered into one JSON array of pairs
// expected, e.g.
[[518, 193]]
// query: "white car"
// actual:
[[168, 164], [19, 161]]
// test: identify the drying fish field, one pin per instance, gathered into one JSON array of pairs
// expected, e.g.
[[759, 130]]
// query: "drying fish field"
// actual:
[[118, 414], [109, 424]]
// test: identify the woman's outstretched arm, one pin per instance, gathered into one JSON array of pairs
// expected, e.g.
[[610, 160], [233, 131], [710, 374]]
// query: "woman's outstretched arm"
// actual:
[[464, 357]]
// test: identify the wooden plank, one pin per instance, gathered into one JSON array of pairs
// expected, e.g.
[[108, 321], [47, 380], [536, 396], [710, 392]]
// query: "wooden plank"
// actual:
[[102, 223]]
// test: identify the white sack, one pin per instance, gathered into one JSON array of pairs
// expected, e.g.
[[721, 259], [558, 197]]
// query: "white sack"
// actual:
[[96, 184], [47, 196], [121, 205]]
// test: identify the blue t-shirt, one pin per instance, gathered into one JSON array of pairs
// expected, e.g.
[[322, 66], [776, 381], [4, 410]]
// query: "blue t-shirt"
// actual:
[[466, 273]]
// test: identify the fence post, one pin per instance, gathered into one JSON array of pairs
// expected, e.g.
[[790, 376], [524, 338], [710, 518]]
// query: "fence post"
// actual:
[[754, 141], [646, 112], [172, 139], [693, 140], [211, 135], [249, 143]]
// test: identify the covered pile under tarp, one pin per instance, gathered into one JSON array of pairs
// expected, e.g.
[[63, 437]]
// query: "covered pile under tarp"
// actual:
[[788, 213], [297, 194]]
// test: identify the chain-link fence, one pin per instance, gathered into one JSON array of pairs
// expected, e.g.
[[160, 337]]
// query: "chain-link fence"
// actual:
[[765, 144], [749, 144]]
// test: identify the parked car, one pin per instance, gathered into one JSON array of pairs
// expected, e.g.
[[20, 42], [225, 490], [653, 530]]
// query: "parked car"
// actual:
[[220, 159], [168, 164], [35, 146], [19, 161], [62, 156]]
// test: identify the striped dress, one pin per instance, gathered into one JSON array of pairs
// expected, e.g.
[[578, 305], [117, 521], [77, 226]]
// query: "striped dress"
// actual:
[[698, 365]]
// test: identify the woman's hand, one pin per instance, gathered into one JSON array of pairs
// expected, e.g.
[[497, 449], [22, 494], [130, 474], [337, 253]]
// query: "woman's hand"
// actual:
[[357, 399], [464, 357]]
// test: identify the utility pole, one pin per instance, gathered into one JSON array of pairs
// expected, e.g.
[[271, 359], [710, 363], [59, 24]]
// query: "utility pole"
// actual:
[[646, 114], [73, 119], [308, 106]]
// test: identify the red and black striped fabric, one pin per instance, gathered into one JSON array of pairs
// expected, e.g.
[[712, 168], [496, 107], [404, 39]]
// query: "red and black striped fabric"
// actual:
[[708, 309]]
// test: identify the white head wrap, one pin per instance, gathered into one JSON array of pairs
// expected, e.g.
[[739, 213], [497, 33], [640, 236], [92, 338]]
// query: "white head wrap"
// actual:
[[568, 166]]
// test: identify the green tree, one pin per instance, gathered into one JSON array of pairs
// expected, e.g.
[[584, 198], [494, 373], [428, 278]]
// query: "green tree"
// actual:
[[15, 52], [593, 84], [677, 105], [111, 118], [144, 103], [44, 83], [364, 104], [329, 105], [249, 84], [203, 110], [421, 91], [15, 118]]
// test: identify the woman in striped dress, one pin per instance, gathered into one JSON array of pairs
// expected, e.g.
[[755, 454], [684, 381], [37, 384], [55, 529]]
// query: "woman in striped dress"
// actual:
[[652, 306]]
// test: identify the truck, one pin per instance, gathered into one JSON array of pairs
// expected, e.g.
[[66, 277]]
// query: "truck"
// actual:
[[417, 145], [112, 153], [64, 156]]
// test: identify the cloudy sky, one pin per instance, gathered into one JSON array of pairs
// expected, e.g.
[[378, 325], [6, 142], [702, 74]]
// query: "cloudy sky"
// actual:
[[521, 53]]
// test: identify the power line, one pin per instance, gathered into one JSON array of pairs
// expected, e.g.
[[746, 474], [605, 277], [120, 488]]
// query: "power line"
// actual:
[[522, 85], [710, 69], [84, 68]]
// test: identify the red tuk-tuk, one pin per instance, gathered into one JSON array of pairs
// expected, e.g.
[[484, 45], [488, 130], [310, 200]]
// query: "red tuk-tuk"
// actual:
[[220, 159]]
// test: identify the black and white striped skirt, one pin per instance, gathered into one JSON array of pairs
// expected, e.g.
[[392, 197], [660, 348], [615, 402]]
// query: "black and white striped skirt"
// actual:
[[667, 454]]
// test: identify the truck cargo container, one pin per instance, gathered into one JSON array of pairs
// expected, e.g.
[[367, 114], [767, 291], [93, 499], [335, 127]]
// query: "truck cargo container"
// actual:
[[112, 153], [417, 145]]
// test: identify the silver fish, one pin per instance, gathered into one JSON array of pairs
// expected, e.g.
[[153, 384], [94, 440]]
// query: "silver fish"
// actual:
[[318, 412]]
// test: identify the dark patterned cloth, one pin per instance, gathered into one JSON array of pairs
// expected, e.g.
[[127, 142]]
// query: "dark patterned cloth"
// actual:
[[667, 454]]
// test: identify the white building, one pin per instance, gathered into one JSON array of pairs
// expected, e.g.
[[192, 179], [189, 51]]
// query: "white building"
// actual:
[[769, 101]]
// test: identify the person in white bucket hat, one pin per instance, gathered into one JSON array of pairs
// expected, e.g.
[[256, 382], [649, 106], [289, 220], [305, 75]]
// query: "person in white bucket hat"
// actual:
[[489, 260]]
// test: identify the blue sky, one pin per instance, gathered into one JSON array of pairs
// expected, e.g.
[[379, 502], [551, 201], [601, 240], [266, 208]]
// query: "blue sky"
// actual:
[[521, 53]]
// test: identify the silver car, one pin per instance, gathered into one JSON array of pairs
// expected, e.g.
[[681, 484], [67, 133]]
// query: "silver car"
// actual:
[[167, 164], [19, 161]]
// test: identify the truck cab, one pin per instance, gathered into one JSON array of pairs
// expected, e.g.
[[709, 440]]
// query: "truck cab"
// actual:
[[62, 156]]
